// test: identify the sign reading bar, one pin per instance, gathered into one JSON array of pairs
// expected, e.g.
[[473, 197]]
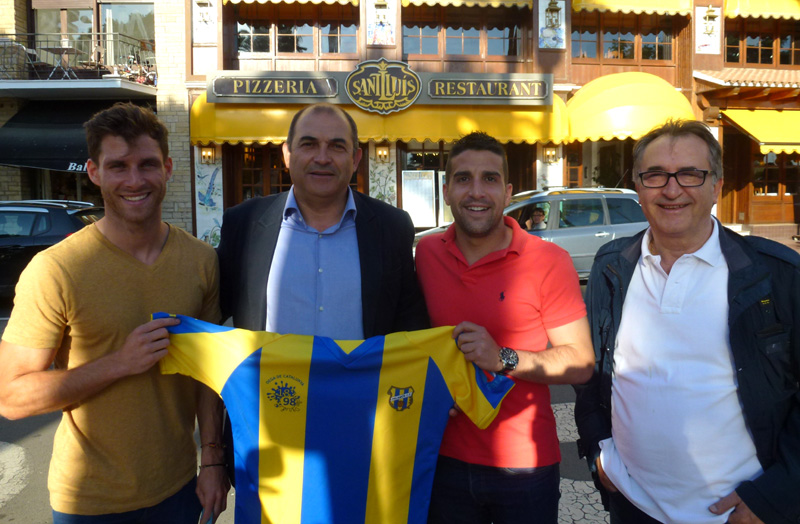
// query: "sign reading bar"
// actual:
[[380, 86]]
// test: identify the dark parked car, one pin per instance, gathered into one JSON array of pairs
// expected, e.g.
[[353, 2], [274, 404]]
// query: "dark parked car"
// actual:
[[30, 226], [580, 220]]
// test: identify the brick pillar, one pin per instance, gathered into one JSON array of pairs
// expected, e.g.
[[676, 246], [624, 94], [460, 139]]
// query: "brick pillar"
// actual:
[[173, 107], [10, 177], [13, 16]]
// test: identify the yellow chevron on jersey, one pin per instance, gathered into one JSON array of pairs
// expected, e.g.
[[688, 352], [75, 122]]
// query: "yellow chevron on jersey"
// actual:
[[334, 431]]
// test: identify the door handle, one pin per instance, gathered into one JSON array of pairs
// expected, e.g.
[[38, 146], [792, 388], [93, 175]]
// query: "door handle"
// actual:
[[602, 234]]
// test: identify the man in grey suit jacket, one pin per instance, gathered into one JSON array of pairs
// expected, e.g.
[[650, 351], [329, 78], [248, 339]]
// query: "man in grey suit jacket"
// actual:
[[297, 262]]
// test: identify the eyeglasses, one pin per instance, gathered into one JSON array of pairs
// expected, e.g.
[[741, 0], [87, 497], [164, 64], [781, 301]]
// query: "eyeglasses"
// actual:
[[684, 177]]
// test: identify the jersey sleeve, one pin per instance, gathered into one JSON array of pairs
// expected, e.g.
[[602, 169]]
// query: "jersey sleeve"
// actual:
[[206, 352], [475, 392]]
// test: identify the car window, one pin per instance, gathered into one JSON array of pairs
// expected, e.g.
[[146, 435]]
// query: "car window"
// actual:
[[624, 211], [42, 224], [88, 217], [580, 212], [523, 215], [17, 223]]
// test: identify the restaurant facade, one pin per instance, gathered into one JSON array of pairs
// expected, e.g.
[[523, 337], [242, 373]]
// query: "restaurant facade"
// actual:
[[567, 86]]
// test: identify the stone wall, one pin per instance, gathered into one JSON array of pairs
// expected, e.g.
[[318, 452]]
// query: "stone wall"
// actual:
[[10, 177], [13, 16], [173, 107]]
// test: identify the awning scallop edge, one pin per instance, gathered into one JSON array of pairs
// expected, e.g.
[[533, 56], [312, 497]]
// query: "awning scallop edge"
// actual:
[[662, 7], [342, 2], [787, 9], [266, 123], [470, 3]]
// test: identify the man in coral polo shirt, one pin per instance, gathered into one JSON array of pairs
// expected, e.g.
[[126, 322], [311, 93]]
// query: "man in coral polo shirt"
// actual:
[[508, 293]]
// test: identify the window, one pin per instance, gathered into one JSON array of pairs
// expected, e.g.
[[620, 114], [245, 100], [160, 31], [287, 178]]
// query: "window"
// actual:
[[624, 211], [337, 35], [18, 223], [762, 42], [581, 212], [130, 33], [263, 172], [776, 175], [134, 20], [59, 27], [303, 29], [468, 32], [253, 38], [620, 36], [584, 34], [766, 174]]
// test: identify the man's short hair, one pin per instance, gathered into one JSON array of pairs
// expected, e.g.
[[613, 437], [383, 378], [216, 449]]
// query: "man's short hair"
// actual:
[[324, 108], [538, 210], [476, 141], [676, 128], [127, 121]]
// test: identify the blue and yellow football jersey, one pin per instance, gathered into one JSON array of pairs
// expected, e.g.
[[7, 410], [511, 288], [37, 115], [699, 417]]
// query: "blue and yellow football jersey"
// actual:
[[334, 431]]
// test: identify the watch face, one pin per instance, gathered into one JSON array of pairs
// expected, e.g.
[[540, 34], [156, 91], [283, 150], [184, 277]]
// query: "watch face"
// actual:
[[509, 358]]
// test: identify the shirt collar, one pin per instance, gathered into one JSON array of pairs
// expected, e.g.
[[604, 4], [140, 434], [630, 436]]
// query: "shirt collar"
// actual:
[[292, 208], [710, 252], [518, 238]]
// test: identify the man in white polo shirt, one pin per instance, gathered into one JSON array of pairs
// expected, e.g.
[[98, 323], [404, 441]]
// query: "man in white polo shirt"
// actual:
[[693, 412]]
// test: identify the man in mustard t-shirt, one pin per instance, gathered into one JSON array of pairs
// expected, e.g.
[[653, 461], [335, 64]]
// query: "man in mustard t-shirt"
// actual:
[[124, 451]]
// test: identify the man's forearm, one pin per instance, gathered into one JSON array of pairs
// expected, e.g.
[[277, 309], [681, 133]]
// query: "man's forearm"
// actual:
[[50, 390], [567, 364]]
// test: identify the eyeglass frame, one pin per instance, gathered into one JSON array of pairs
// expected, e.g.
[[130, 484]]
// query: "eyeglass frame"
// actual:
[[674, 175]]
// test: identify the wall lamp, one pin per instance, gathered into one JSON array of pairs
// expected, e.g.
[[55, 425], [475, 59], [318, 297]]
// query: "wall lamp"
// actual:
[[382, 152], [552, 15], [208, 154], [550, 154]]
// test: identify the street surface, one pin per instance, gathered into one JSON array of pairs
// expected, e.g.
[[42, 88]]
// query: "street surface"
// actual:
[[26, 445]]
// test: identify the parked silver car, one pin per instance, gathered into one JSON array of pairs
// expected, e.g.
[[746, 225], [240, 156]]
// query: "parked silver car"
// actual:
[[580, 220]]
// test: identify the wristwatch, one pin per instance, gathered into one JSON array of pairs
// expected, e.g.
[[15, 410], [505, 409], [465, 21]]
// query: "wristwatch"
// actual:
[[509, 359]]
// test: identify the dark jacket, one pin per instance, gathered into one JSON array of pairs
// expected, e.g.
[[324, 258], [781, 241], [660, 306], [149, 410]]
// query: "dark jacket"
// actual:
[[764, 308], [390, 296]]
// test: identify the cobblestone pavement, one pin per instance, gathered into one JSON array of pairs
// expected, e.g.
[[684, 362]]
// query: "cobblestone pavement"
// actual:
[[580, 501]]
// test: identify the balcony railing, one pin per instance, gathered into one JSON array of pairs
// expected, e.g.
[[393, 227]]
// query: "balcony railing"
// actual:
[[73, 56]]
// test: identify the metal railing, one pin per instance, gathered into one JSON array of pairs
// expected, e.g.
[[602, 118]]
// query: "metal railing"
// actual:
[[72, 56]]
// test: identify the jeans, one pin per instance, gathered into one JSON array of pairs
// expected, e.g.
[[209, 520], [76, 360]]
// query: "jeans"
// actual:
[[181, 508], [622, 511], [471, 494]]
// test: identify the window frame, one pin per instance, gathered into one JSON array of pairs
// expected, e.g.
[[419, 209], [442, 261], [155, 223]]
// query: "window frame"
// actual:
[[443, 18], [314, 15], [640, 23], [779, 28]]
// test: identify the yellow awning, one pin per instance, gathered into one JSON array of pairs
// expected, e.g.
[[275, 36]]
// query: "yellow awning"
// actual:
[[470, 3], [342, 2], [662, 7], [775, 131], [265, 123], [763, 8], [624, 105]]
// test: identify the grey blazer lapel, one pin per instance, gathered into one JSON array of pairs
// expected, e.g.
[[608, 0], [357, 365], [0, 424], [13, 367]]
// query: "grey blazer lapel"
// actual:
[[258, 258]]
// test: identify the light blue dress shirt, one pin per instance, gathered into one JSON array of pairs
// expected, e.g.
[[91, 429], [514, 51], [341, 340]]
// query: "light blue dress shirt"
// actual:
[[314, 285]]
